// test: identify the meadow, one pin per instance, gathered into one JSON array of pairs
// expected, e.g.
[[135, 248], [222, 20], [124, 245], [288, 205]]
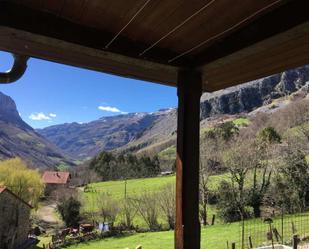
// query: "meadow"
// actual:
[[134, 188], [212, 237]]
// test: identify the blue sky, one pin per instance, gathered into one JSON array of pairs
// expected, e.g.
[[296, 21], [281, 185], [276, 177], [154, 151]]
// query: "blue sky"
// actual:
[[51, 93]]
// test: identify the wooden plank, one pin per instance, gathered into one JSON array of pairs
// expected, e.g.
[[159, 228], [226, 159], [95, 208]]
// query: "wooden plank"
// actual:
[[276, 20], [37, 46], [287, 50], [187, 231]]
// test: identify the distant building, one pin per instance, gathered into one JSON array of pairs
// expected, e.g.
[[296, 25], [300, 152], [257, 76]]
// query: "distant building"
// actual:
[[14, 219], [166, 173], [55, 180]]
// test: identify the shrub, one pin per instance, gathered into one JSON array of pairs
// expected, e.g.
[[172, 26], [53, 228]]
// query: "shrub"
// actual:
[[69, 210]]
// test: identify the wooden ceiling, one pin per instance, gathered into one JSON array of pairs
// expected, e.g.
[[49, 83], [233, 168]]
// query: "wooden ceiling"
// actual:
[[229, 41]]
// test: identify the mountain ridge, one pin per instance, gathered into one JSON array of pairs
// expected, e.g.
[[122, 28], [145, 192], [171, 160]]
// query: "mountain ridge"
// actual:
[[135, 132], [18, 139]]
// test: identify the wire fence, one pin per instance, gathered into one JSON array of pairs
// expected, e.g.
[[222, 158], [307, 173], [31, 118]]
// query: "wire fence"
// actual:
[[276, 229]]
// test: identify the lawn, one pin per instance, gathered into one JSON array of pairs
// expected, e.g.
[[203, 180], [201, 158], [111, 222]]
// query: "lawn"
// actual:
[[135, 187], [212, 237], [138, 186]]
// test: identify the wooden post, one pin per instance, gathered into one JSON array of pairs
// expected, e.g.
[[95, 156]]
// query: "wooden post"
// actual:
[[187, 230], [295, 241], [233, 245], [213, 219], [250, 243]]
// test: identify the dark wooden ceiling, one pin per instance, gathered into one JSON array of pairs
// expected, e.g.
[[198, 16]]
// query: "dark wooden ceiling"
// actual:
[[152, 39]]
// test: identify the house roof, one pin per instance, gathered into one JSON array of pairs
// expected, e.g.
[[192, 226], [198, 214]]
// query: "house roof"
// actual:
[[228, 42], [55, 177], [5, 189]]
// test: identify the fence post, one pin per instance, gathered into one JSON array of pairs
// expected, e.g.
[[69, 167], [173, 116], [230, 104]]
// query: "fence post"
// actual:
[[295, 241], [282, 230], [213, 219], [233, 245], [250, 243]]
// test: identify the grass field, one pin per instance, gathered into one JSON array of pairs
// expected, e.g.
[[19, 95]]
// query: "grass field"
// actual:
[[212, 237], [135, 187]]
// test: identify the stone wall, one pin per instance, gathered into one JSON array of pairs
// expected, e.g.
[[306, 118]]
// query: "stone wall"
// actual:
[[14, 221]]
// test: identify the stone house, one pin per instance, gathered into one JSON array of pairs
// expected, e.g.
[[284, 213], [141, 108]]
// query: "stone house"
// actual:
[[14, 219], [55, 180]]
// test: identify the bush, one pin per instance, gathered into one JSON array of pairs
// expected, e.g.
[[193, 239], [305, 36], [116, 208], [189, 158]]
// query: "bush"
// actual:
[[213, 197], [69, 210]]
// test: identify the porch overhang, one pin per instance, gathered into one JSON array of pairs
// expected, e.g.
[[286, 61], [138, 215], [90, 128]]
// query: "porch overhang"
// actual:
[[198, 45]]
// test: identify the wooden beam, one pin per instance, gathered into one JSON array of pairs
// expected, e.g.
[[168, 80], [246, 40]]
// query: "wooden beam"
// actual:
[[187, 231], [25, 43], [24, 18]]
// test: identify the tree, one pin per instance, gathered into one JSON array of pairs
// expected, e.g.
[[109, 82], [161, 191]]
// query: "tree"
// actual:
[[294, 170], [25, 183], [167, 203], [128, 213], [69, 210], [108, 207], [268, 136], [229, 206], [147, 206], [266, 139], [111, 166]]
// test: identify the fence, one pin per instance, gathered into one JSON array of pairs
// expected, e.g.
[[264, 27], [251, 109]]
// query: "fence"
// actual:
[[278, 228]]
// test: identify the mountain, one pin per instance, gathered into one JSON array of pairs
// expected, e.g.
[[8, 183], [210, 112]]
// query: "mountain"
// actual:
[[18, 139], [153, 132], [86, 140]]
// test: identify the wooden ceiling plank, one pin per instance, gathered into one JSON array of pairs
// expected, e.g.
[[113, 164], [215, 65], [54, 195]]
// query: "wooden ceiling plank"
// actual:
[[284, 51]]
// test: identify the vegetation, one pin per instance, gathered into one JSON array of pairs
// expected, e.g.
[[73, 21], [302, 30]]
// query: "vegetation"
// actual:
[[242, 121], [24, 182], [112, 167], [212, 237], [69, 210]]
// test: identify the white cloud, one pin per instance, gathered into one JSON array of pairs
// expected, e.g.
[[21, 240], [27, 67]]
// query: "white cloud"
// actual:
[[53, 115], [39, 116], [110, 109]]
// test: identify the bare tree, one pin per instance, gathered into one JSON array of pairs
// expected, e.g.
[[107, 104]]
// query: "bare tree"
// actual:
[[239, 159], [128, 212], [167, 203], [147, 206], [108, 207], [210, 163]]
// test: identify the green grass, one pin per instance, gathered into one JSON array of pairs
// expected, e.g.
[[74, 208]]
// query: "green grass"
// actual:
[[136, 187], [168, 154], [241, 121], [212, 237]]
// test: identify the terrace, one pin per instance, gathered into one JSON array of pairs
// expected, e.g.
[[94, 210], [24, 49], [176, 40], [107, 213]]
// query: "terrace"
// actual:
[[196, 46]]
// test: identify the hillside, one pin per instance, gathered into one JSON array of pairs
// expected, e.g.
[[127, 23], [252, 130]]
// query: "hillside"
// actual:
[[107, 133], [153, 132], [18, 139]]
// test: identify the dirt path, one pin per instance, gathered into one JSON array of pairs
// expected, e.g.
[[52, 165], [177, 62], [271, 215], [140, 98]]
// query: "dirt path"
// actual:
[[47, 214]]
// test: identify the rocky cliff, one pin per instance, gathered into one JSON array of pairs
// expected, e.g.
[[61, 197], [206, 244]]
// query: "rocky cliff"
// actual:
[[18, 139], [249, 96]]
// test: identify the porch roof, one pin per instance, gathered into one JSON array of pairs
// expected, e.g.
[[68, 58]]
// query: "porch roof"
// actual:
[[229, 42]]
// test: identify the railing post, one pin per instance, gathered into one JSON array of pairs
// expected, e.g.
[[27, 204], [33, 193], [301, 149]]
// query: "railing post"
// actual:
[[187, 230], [295, 241]]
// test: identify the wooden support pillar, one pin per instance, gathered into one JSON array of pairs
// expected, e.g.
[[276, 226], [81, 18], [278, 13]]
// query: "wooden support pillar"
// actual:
[[187, 231]]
